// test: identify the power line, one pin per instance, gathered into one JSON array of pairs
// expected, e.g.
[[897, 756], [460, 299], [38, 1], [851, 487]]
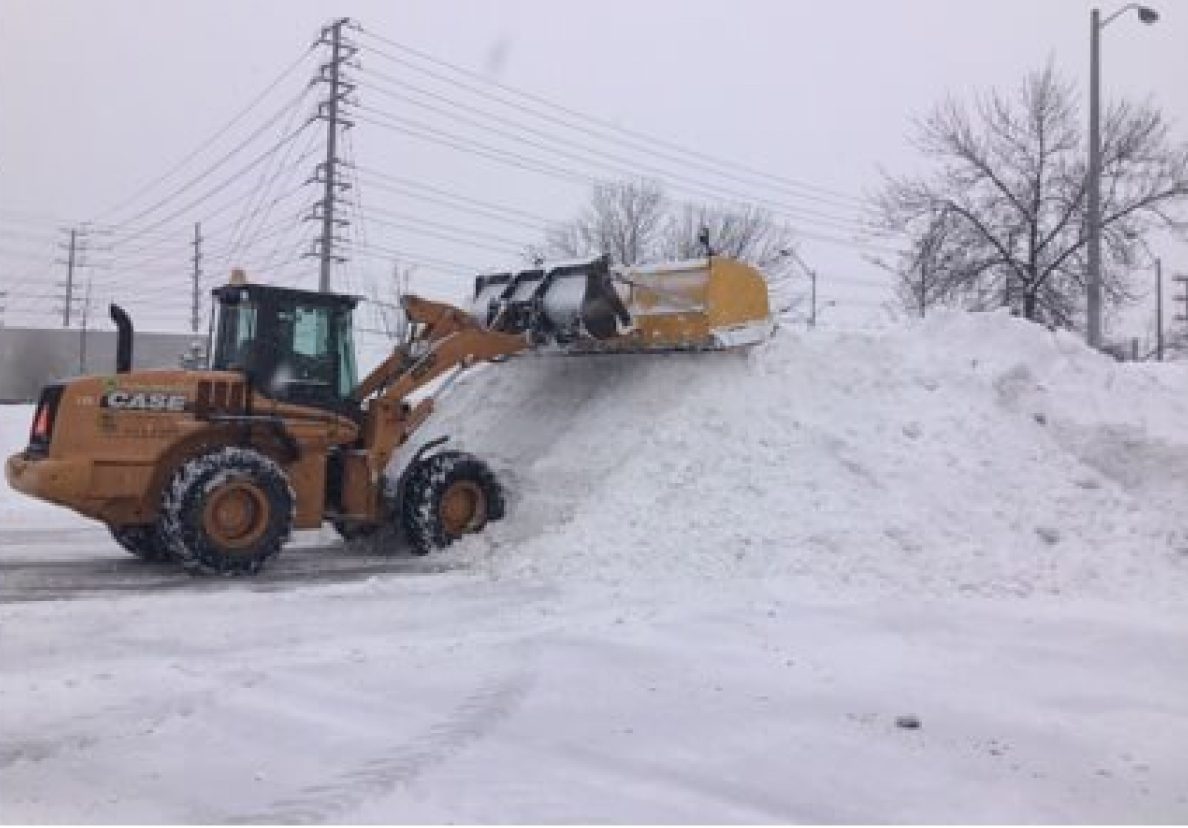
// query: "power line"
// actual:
[[406, 218], [633, 167], [431, 134], [451, 267], [179, 237], [202, 176], [435, 135], [235, 177], [358, 228], [264, 188], [8, 215], [469, 204], [627, 135], [28, 255], [460, 236], [251, 106]]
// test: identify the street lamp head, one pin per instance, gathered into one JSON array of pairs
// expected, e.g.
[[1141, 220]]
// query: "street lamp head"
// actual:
[[1147, 14]]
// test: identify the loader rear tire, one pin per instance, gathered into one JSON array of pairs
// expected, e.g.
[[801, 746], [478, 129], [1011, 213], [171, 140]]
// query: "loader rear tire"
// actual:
[[145, 542], [447, 496], [227, 512]]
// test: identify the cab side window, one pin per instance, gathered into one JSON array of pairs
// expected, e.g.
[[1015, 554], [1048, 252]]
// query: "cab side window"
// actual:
[[313, 355]]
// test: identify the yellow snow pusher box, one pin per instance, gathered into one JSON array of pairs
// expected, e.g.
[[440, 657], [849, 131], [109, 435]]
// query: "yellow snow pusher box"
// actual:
[[710, 303]]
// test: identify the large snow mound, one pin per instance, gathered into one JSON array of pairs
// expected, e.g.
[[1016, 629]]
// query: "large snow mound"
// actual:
[[971, 453]]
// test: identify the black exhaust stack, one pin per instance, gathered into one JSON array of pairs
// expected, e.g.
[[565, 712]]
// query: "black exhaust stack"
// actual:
[[123, 325]]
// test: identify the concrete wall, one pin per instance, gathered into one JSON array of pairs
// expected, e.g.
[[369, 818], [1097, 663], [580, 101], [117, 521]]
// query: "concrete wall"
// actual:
[[32, 357]]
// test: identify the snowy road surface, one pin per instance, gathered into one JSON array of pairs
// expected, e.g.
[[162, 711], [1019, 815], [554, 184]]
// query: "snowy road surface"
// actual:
[[461, 697], [719, 585]]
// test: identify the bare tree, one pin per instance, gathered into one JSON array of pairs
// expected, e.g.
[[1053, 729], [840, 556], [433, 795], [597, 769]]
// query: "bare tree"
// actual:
[[1002, 219], [746, 233], [634, 223], [622, 220], [384, 298]]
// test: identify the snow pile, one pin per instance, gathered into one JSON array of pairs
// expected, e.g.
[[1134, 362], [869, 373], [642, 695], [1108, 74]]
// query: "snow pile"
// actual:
[[970, 454], [675, 621]]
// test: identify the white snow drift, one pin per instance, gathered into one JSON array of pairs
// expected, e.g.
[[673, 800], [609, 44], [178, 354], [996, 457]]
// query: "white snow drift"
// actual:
[[721, 580], [977, 453]]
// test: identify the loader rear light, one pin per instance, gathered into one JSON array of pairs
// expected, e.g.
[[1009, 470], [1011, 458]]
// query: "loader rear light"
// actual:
[[43, 421], [41, 425]]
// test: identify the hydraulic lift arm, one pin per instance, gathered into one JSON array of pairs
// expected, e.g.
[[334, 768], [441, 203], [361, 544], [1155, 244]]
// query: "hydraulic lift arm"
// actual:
[[445, 339]]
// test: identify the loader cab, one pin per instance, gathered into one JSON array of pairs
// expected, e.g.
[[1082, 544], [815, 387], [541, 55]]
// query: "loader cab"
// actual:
[[294, 346]]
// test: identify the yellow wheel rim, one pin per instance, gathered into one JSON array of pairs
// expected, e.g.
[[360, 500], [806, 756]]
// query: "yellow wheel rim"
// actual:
[[235, 515], [463, 508]]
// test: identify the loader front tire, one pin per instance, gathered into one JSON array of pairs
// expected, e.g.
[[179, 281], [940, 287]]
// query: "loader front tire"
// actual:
[[447, 496], [227, 512], [145, 542]]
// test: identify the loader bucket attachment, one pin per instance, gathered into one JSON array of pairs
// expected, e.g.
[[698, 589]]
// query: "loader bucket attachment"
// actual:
[[561, 304], [586, 306]]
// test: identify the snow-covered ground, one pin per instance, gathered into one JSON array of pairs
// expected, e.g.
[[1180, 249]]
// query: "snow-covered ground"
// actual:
[[722, 579]]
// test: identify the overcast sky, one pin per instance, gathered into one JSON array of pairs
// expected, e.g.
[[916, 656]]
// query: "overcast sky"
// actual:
[[99, 97]]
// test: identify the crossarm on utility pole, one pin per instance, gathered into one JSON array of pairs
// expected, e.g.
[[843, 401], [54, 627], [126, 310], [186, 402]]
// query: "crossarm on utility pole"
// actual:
[[1183, 281]]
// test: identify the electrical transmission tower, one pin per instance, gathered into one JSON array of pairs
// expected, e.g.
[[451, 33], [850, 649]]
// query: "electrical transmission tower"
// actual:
[[326, 172], [75, 249]]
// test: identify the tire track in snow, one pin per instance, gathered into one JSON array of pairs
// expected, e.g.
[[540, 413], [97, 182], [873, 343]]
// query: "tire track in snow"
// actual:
[[56, 580], [475, 718], [78, 733]]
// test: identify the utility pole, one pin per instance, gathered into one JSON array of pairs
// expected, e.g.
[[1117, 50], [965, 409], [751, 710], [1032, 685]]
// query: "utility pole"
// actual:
[[82, 333], [70, 258], [326, 173], [812, 298], [1093, 203], [812, 274], [923, 286], [1158, 309], [196, 278], [1093, 303], [3, 296]]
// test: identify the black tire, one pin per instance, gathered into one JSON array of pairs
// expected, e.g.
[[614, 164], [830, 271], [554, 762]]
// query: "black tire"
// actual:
[[145, 542], [433, 484], [350, 532], [227, 512]]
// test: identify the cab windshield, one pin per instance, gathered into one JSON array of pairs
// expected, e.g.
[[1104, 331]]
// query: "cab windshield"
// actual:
[[293, 347]]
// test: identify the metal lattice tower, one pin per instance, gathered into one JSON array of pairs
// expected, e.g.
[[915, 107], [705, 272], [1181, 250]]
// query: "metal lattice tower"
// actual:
[[326, 173]]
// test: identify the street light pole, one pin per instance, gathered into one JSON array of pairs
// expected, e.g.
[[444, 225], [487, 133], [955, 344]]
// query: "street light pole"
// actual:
[[1093, 305], [1159, 310], [1093, 299], [812, 274], [813, 301]]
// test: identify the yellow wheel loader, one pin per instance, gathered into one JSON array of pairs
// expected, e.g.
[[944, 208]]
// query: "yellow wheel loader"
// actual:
[[214, 468]]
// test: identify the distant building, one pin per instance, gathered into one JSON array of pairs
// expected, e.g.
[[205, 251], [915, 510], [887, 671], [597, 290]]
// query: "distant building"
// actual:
[[32, 357]]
